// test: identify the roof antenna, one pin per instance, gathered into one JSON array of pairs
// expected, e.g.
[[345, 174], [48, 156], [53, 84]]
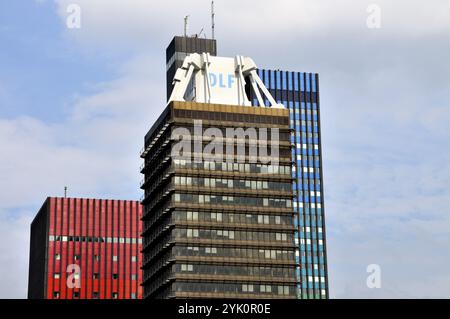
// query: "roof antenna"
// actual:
[[65, 191], [200, 33], [212, 19], [186, 25]]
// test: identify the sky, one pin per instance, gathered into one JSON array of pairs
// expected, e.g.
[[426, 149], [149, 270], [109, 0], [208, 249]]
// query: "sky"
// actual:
[[75, 105]]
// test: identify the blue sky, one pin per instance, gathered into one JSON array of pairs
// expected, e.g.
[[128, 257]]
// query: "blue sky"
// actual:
[[75, 105]]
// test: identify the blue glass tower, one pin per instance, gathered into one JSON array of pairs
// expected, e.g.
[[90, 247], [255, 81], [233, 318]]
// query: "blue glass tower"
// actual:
[[299, 92]]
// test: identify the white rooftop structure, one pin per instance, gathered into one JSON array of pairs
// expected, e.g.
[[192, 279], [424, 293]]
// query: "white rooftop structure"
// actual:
[[219, 80]]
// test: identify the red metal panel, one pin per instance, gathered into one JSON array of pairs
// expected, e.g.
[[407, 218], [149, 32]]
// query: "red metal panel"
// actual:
[[95, 244], [128, 252], [64, 251], [70, 251], [78, 233], [109, 250], [101, 250], [83, 245], [115, 268], [121, 246], [89, 246]]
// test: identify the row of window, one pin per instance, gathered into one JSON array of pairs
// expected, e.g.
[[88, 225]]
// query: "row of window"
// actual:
[[95, 295], [234, 167], [95, 257], [286, 80], [233, 117], [91, 239], [233, 218], [231, 183], [95, 275], [305, 135], [301, 110], [235, 270], [230, 135], [231, 235], [232, 200], [247, 288], [246, 253]]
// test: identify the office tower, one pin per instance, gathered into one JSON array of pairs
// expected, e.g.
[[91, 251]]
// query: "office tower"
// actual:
[[86, 249], [217, 229], [218, 225], [299, 92], [179, 48]]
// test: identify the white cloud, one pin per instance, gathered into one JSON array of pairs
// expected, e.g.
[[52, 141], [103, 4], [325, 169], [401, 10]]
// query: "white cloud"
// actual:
[[14, 247], [95, 152], [139, 21]]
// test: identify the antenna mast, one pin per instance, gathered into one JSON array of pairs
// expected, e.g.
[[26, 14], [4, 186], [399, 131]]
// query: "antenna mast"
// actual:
[[65, 191], [212, 19], [186, 25]]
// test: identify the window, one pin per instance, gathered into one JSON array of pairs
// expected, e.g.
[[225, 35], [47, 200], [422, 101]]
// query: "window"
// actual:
[[115, 258], [76, 257], [114, 295], [95, 295], [56, 294], [56, 275], [133, 259], [133, 277], [133, 295], [76, 294], [97, 257], [57, 257], [115, 276], [95, 275]]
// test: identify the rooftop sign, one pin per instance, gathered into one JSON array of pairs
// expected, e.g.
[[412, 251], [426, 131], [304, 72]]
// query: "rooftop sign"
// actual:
[[219, 80]]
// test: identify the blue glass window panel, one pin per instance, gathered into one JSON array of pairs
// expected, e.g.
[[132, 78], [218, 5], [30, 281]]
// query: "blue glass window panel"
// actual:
[[313, 80], [296, 88], [278, 77], [308, 84], [290, 86], [266, 78], [302, 82], [285, 74]]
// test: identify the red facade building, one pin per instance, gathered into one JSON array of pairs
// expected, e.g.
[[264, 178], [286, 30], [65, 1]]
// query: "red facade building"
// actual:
[[86, 249]]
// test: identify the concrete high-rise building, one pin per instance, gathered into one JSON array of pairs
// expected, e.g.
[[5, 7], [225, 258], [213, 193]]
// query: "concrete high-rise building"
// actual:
[[218, 225], [86, 249], [217, 228]]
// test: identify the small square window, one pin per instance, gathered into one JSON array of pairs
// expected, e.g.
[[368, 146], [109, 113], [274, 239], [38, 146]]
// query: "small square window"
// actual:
[[56, 275], [115, 276], [56, 294], [95, 275], [115, 258], [95, 295], [133, 259], [57, 257], [114, 295], [76, 294]]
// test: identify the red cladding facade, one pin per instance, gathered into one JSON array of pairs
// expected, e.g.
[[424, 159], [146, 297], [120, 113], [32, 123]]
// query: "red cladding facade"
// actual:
[[86, 249]]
